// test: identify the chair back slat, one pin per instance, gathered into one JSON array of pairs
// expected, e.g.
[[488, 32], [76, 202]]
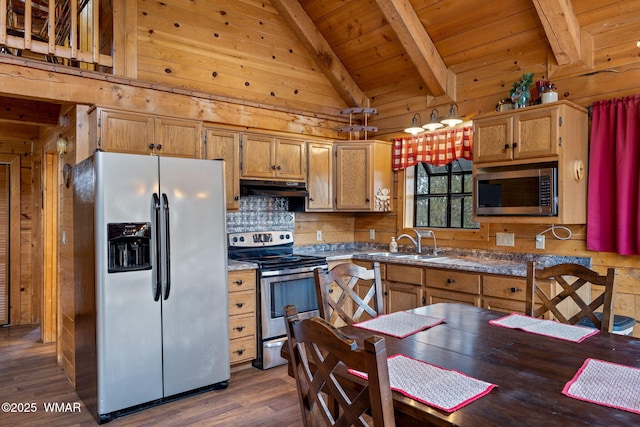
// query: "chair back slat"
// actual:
[[359, 293], [572, 278]]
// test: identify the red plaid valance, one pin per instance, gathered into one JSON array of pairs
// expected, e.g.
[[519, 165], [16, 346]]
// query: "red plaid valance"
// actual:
[[437, 148]]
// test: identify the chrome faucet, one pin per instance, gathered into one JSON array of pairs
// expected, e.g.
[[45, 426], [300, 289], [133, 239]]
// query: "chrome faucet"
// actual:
[[417, 242]]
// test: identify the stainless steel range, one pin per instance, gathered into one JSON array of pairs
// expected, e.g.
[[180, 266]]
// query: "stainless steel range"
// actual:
[[283, 278]]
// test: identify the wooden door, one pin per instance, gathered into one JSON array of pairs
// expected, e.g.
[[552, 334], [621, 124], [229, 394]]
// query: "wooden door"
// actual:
[[224, 144], [291, 159], [126, 132], [494, 138], [258, 156], [353, 177], [4, 244], [320, 176], [178, 138], [536, 133]]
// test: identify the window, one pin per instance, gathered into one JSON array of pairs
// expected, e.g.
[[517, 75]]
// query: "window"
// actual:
[[443, 195]]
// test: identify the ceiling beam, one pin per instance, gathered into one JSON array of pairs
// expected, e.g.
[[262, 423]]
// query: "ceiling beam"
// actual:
[[329, 63], [569, 43], [27, 111], [419, 46]]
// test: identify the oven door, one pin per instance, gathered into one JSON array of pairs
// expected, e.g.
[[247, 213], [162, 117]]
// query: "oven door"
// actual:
[[281, 288]]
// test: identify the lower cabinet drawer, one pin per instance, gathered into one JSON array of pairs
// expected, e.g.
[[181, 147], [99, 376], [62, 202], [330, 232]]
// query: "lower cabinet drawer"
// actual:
[[242, 349], [453, 281], [504, 305], [242, 325], [505, 287], [242, 302]]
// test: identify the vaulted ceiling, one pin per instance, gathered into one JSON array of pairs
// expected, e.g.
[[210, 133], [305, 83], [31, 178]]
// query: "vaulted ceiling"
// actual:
[[445, 48]]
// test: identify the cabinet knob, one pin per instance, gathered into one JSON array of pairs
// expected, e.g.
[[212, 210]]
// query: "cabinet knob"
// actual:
[[278, 167], [273, 167], [239, 328], [515, 290], [236, 198], [239, 304], [506, 146], [330, 291], [515, 145], [367, 200], [311, 199], [151, 146], [240, 352], [238, 282], [159, 146], [451, 281]]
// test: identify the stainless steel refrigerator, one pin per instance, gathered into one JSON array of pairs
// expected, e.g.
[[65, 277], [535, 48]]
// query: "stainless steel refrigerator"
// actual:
[[150, 253]]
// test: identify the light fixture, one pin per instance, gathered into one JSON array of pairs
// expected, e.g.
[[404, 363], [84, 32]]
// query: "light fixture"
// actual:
[[434, 121], [452, 119], [61, 145], [415, 127]]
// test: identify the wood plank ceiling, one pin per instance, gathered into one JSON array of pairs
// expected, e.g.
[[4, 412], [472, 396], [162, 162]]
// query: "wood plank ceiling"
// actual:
[[373, 48]]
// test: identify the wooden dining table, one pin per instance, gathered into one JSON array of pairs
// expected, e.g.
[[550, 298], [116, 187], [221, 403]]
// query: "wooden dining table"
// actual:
[[530, 370]]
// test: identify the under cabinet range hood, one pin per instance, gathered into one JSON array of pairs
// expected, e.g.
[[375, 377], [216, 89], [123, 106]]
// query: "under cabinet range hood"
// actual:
[[295, 191]]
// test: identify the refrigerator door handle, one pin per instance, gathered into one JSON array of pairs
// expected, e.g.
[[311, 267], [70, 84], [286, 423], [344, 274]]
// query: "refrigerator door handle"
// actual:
[[165, 207], [156, 209]]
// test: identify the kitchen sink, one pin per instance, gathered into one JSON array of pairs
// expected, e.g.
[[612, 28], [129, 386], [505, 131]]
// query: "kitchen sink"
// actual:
[[418, 257]]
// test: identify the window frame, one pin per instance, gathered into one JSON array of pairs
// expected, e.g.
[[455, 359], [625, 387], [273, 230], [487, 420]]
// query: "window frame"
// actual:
[[449, 195]]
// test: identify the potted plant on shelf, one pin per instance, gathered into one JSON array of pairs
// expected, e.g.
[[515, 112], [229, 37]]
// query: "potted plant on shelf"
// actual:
[[520, 94]]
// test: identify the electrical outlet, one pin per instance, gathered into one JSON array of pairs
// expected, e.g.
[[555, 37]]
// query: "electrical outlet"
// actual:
[[372, 234], [319, 235], [539, 242], [505, 239]]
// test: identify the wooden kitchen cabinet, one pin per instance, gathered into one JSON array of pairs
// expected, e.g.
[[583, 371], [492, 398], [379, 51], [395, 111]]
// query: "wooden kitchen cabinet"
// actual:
[[242, 315], [402, 287], [319, 176], [225, 144], [554, 134], [363, 176], [452, 286], [134, 133], [271, 157]]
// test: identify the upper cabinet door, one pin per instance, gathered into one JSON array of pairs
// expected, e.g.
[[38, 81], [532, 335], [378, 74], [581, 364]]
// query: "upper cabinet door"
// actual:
[[270, 157], [258, 156], [125, 132], [178, 138], [320, 176], [225, 144], [535, 133], [291, 159], [494, 139], [353, 176]]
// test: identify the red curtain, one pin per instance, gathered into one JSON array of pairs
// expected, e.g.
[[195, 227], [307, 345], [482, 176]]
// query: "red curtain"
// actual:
[[437, 148], [613, 219]]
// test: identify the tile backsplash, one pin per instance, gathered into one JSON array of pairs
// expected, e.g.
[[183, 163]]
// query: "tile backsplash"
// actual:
[[261, 213]]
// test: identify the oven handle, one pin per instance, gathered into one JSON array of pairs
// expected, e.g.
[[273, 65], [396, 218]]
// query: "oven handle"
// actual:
[[287, 272]]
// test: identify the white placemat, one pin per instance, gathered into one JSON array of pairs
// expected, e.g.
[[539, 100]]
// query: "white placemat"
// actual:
[[434, 386], [399, 324], [549, 328], [607, 384]]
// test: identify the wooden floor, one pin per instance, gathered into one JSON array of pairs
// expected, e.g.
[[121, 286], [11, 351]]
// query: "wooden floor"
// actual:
[[29, 374]]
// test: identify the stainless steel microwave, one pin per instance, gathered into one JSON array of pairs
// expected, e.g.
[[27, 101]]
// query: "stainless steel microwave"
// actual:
[[523, 192]]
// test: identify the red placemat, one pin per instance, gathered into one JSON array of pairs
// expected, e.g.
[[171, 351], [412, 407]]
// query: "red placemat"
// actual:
[[399, 324], [607, 384], [432, 385], [545, 327]]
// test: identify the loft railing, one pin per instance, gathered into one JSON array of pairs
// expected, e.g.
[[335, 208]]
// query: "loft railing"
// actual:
[[60, 31]]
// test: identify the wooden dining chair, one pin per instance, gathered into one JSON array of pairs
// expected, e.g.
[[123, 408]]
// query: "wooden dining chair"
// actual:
[[571, 278], [349, 293], [319, 356]]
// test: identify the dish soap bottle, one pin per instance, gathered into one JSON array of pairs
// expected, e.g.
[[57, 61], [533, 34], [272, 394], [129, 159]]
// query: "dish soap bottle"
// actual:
[[393, 246]]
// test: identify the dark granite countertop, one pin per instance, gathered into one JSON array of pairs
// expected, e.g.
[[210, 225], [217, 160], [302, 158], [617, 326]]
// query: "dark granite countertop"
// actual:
[[478, 261]]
